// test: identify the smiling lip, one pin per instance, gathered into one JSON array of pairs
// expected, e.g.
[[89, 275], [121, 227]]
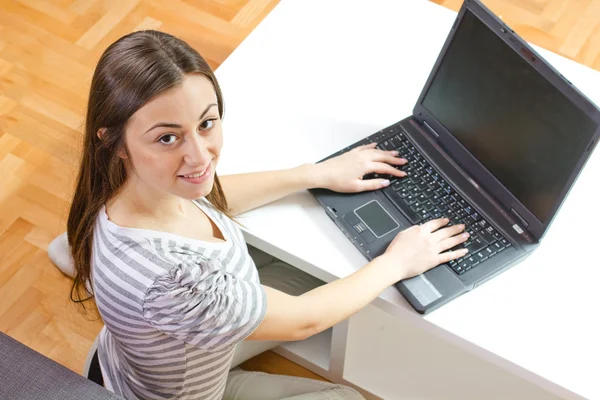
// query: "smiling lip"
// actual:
[[193, 178]]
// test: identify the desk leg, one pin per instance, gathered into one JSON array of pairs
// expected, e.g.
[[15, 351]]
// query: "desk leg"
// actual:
[[337, 359], [325, 355]]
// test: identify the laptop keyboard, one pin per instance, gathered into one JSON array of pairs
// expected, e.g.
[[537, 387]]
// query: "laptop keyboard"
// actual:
[[424, 195]]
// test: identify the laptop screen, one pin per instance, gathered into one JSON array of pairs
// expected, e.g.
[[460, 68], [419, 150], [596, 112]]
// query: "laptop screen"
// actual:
[[517, 124]]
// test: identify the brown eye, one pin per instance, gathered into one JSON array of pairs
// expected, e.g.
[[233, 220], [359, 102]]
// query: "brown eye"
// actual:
[[165, 139], [209, 123]]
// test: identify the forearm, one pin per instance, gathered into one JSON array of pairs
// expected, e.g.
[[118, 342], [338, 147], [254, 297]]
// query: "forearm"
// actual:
[[330, 304], [251, 190], [298, 317]]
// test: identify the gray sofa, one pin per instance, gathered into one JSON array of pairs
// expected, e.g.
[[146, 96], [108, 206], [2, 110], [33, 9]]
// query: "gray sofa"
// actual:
[[28, 375]]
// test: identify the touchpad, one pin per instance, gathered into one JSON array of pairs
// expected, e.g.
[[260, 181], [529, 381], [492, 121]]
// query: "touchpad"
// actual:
[[376, 218]]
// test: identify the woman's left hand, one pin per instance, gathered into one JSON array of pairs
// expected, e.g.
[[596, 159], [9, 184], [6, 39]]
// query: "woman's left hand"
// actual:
[[344, 173]]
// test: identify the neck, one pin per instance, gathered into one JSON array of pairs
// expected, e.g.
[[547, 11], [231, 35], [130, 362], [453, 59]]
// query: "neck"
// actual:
[[137, 198]]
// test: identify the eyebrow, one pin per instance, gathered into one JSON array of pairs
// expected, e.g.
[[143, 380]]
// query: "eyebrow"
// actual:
[[172, 125]]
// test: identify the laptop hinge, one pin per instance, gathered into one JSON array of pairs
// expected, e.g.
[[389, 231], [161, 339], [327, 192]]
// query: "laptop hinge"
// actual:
[[516, 214], [433, 132], [518, 223], [521, 231]]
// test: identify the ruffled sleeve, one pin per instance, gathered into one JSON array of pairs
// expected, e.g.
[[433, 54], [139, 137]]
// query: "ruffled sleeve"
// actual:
[[200, 304]]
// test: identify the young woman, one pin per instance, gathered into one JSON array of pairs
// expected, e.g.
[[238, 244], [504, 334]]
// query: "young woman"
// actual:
[[151, 237]]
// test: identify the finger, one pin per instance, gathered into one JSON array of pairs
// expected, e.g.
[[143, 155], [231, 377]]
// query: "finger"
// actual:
[[451, 255], [453, 241], [382, 168], [435, 224], [366, 146], [445, 233], [372, 184], [388, 157]]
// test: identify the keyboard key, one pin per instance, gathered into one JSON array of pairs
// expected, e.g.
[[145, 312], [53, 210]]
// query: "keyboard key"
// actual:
[[448, 213], [486, 237], [424, 215], [387, 145], [416, 206], [454, 221], [471, 262], [442, 207], [490, 251], [465, 222], [428, 205], [399, 184], [476, 246], [481, 256], [461, 213], [484, 224], [498, 247], [396, 142]]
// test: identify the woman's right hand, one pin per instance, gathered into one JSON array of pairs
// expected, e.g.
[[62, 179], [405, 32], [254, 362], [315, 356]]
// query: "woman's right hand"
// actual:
[[422, 247]]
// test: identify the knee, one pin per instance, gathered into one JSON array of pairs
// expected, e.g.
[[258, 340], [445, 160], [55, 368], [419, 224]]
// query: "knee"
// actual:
[[342, 392]]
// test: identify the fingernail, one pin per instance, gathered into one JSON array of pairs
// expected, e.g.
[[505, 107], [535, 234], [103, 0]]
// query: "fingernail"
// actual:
[[465, 251], [466, 235], [395, 152], [385, 183]]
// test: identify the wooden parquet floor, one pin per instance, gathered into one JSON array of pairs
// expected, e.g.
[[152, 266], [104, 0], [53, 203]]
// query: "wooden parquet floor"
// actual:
[[48, 49]]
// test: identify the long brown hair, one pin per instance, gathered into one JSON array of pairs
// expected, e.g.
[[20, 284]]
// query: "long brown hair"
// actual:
[[130, 72]]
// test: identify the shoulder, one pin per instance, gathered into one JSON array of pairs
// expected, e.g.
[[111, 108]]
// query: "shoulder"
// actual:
[[147, 255]]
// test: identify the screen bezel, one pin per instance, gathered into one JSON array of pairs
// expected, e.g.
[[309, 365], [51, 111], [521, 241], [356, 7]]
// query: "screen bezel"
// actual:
[[466, 160]]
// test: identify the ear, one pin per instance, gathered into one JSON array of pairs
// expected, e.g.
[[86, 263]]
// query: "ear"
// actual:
[[121, 153], [100, 133]]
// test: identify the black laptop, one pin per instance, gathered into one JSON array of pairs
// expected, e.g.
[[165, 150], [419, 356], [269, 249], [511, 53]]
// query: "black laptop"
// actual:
[[496, 140]]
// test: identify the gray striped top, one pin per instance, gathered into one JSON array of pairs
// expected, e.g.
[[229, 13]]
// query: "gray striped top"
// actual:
[[173, 308]]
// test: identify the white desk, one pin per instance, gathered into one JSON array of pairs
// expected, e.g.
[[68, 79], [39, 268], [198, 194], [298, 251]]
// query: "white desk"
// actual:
[[318, 75]]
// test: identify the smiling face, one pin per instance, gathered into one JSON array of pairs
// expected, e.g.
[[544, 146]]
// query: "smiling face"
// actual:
[[174, 140]]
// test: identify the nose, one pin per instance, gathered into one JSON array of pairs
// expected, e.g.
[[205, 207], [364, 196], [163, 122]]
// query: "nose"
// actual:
[[196, 151]]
